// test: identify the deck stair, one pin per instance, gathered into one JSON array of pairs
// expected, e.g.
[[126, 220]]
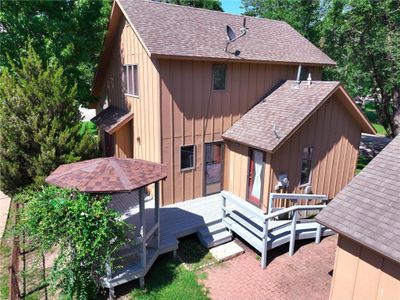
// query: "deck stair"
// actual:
[[265, 232], [214, 234]]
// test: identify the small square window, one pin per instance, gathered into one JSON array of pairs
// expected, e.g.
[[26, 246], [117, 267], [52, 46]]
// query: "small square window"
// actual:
[[219, 74], [187, 157], [131, 85], [306, 165]]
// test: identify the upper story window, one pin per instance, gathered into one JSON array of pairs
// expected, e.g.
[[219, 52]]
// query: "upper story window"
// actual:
[[304, 73], [219, 75], [306, 166], [131, 80], [187, 157]]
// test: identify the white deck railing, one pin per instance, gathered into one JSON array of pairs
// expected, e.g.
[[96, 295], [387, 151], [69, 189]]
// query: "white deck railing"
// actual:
[[251, 212]]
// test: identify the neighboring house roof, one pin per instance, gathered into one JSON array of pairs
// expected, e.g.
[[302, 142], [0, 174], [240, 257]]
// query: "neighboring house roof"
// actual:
[[107, 175], [112, 118], [176, 30], [272, 121], [368, 209]]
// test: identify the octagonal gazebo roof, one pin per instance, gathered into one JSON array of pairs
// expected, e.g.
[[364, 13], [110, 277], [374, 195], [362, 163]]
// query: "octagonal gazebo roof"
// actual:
[[107, 175]]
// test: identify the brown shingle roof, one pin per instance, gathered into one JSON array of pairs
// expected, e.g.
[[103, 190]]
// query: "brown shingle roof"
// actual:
[[284, 109], [368, 209], [112, 118], [175, 30], [107, 174]]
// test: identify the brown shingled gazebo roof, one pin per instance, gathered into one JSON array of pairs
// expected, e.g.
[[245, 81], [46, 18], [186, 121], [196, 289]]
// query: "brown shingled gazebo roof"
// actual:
[[107, 175]]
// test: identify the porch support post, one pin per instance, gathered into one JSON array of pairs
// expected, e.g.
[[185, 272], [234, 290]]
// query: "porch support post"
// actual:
[[293, 233], [142, 233], [265, 245], [157, 211], [111, 291]]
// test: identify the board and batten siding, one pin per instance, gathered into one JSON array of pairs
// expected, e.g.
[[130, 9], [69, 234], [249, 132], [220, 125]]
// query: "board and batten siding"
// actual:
[[363, 274], [194, 114], [334, 136], [145, 134]]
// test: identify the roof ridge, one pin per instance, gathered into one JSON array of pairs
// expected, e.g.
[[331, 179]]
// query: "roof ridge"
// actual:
[[210, 10]]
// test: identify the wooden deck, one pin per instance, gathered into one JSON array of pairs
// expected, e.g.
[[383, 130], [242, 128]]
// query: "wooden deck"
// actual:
[[202, 216], [213, 219]]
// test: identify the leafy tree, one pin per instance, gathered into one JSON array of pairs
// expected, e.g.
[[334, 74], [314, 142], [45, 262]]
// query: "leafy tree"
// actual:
[[67, 32], [40, 123], [364, 38], [207, 4], [303, 15], [81, 228]]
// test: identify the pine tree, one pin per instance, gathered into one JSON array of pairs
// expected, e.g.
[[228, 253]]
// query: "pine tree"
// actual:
[[40, 121]]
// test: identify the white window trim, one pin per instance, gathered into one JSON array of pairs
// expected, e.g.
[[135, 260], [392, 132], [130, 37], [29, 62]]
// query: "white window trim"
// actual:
[[126, 67], [194, 158]]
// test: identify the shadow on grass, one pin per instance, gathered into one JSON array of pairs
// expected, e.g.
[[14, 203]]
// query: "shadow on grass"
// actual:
[[193, 254], [167, 279]]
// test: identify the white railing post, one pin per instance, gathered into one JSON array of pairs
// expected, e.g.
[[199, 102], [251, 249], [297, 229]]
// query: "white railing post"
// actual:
[[293, 234], [318, 234], [265, 245], [157, 211], [223, 207], [142, 233], [271, 197]]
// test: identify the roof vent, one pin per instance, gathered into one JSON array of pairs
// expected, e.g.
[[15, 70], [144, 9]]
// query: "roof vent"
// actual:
[[309, 80], [231, 37]]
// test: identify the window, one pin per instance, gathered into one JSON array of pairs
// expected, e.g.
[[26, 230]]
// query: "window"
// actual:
[[187, 157], [304, 73], [131, 80], [306, 166], [219, 72]]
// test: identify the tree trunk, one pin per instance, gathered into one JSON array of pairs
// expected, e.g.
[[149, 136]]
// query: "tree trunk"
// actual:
[[396, 110]]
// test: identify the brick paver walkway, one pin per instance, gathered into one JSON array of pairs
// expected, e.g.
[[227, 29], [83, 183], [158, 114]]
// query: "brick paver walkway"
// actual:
[[306, 275]]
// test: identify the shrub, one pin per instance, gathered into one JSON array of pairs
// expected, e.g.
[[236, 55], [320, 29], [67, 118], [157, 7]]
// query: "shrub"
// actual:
[[84, 230]]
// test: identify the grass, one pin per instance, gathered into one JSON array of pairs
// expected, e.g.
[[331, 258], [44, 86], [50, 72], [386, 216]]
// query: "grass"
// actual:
[[177, 279], [169, 279], [370, 112], [362, 162], [5, 252], [194, 255]]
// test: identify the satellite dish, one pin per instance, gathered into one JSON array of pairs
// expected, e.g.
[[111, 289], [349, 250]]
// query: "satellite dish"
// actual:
[[231, 37], [230, 33]]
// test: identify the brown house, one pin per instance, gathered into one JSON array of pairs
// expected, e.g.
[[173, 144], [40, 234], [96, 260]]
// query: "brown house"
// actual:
[[172, 91], [366, 216]]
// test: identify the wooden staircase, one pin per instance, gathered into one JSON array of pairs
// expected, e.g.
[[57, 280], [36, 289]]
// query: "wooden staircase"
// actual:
[[265, 232]]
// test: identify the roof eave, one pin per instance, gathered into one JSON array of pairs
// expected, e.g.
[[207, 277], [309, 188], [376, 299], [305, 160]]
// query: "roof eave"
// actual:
[[341, 232], [240, 59]]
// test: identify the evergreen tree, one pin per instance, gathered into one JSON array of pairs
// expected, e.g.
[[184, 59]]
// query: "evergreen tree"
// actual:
[[40, 121]]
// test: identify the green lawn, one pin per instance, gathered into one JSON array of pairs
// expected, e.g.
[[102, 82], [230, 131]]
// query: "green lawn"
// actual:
[[177, 279], [169, 279], [5, 252], [370, 112], [362, 162]]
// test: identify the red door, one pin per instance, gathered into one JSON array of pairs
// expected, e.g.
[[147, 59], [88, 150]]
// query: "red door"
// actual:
[[255, 177]]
